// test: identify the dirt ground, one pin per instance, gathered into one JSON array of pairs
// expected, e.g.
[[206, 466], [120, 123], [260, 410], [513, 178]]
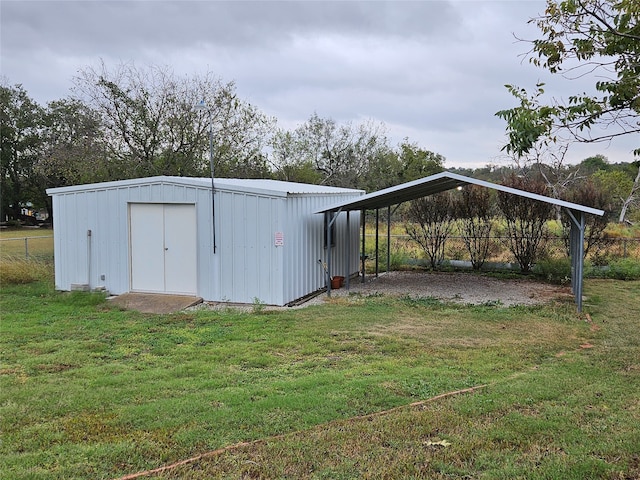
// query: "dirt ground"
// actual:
[[464, 288]]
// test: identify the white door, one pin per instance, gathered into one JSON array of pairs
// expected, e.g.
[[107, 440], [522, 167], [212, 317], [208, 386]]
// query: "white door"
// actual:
[[180, 259], [163, 248]]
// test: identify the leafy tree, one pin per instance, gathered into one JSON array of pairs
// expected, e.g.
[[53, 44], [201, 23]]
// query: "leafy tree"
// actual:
[[73, 151], [547, 162], [357, 156], [580, 38], [405, 163], [526, 219], [594, 164], [286, 160], [21, 124], [417, 163], [429, 223], [632, 198], [620, 190], [241, 132], [340, 154], [527, 123], [152, 128], [146, 118]]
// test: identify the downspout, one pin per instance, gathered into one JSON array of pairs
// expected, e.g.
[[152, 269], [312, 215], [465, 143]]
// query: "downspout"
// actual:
[[388, 238], [377, 241], [213, 188], [89, 259], [348, 275], [362, 259]]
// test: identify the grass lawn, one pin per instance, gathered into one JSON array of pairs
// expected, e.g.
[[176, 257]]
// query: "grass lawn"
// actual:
[[89, 391]]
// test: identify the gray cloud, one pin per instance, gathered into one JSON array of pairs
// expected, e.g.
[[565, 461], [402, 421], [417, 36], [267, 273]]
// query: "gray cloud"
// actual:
[[86, 25], [432, 71]]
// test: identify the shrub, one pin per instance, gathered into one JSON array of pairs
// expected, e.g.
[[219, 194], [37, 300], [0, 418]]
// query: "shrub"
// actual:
[[526, 220], [473, 208], [430, 223], [558, 271], [624, 269], [554, 270], [398, 259], [590, 194]]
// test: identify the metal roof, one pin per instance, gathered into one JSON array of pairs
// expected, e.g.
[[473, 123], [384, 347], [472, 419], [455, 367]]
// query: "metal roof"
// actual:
[[258, 186], [437, 183]]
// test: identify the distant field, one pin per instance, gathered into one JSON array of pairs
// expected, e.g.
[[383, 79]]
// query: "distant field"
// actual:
[[37, 243]]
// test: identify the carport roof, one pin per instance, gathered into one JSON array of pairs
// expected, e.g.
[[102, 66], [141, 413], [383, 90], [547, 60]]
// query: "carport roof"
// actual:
[[437, 183]]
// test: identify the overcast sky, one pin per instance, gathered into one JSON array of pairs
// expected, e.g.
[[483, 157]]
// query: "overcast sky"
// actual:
[[431, 71]]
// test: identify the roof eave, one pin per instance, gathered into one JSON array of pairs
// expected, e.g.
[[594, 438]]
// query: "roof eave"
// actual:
[[438, 183]]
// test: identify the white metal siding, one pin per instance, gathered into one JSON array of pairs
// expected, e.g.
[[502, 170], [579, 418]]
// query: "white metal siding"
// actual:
[[304, 245], [250, 264], [105, 213], [247, 265]]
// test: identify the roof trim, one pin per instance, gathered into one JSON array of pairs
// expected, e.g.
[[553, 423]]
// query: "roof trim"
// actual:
[[272, 188], [437, 183]]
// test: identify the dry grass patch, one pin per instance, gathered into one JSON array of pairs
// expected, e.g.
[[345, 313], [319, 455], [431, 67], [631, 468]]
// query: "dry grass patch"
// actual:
[[15, 271]]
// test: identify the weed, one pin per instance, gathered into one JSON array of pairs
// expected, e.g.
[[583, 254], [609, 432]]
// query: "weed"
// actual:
[[624, 269], [258, 306], [491, 304], [82, 299], [421, 301]]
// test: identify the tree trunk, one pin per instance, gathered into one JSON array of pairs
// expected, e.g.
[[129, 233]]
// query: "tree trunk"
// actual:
[[632, 196]]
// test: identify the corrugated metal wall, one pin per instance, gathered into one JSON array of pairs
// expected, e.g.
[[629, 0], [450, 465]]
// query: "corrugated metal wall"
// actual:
[[248, 265], [106, 213], [304, 244]]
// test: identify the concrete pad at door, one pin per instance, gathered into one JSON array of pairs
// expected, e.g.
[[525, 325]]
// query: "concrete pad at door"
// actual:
[[155, 302]]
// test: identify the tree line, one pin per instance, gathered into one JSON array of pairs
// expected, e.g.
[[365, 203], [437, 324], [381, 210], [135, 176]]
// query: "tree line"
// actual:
[[135, 122]]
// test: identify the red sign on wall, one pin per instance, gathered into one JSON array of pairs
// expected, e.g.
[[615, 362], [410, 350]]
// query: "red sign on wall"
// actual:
[[279, 239]]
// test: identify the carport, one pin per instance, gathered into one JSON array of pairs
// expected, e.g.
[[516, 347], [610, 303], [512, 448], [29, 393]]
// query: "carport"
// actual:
[[444, 181]]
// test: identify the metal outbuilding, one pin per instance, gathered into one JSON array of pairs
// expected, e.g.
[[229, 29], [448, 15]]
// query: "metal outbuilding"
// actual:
[[247, 241], [444, 181]]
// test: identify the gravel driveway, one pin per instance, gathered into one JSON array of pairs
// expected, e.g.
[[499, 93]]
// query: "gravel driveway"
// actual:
[[465, 288]]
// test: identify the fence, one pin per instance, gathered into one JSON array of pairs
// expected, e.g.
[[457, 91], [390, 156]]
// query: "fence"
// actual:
[[403, 248], [27, 248]]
